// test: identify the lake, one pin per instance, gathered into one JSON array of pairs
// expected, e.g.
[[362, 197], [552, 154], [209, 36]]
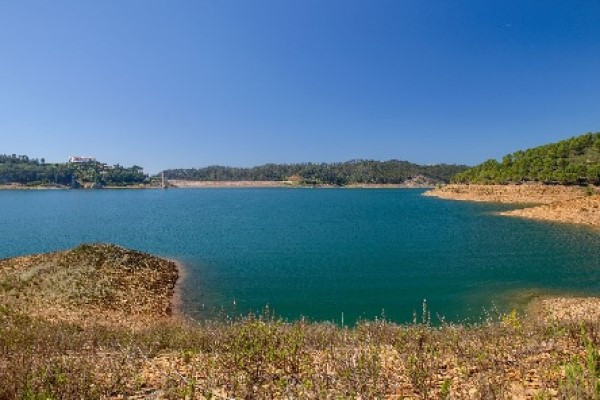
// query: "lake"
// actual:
[[323, 254]]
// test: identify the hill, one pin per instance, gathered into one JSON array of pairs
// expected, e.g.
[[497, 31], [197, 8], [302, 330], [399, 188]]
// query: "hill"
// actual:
[[575, 161], [96, 283], [340, 174], [27, 171]]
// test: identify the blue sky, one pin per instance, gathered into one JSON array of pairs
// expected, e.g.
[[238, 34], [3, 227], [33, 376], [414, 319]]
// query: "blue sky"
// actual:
[[167, 84]]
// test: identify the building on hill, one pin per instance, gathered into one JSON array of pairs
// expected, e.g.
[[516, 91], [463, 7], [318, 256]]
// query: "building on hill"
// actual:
[[80, 160]]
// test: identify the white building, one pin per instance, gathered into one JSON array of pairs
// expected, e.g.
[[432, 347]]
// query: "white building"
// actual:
[[79, 159]]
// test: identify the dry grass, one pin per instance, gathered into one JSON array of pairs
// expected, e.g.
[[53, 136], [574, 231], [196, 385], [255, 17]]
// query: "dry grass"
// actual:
[[265, 358], [260, 357]]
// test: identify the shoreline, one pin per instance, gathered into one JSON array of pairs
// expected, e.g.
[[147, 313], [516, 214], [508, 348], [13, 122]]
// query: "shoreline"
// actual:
[[551, 305], [148, 351], [177, 298], [183, 184], [542, 303], [563, 204], [24, 187], [227, 185], [525, 194], [568, 307], [43, 188], [580, 211]]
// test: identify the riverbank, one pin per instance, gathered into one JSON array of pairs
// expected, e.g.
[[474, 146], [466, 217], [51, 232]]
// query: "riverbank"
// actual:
[[99, 321], [565, 204]]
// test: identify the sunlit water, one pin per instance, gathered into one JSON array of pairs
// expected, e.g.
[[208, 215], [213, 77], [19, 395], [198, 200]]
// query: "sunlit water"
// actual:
[[318, 253]]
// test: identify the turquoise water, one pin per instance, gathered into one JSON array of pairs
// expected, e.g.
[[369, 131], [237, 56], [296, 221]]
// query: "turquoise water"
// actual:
[[318, 253]]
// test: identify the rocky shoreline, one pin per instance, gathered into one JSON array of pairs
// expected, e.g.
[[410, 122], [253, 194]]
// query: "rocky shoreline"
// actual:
[[511, 194], [110, 285], [565, 204], [582, 211]]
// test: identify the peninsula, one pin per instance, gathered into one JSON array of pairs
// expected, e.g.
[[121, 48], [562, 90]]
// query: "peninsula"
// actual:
[[555, 182]]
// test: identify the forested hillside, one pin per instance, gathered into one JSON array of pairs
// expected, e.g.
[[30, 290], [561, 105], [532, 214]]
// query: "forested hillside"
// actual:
[[31, 171], [356, 171], [575, 161]]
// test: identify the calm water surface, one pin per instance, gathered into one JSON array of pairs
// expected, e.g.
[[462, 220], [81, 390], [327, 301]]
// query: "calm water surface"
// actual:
[[318, 252]]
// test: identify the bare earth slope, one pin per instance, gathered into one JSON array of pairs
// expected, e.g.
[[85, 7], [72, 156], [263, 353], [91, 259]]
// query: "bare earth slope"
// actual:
[[100, 283]]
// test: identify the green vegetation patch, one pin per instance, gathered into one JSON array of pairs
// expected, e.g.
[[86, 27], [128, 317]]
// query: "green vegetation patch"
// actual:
[[35, 172], [575, 161], [350, 172]]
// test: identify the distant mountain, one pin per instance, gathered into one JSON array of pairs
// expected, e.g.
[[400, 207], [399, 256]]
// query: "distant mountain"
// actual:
[[575, 161], [344, 173]]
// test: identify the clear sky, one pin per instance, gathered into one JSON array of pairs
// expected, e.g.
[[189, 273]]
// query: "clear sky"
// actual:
[[167, 84]]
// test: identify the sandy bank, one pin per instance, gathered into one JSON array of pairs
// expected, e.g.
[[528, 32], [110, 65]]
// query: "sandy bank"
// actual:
[[568, 204], [583, 211], [177, 298], [514, 194]]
